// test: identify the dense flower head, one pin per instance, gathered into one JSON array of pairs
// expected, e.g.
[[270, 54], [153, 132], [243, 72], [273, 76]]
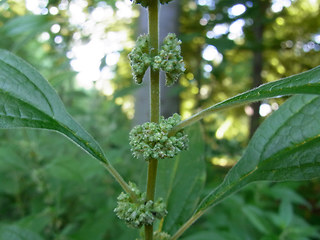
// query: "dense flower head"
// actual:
[[151, 140], [141, 212], [171, 59], [140, 58]]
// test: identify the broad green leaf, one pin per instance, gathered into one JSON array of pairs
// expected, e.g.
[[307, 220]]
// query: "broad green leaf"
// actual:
[[27, 100], [180, 181], [304, 83], [285, 147]]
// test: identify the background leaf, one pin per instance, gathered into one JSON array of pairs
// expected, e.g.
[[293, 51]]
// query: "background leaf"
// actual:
[[285, 147], [181, 180], [25, 28], [12, 232], [27, 100]]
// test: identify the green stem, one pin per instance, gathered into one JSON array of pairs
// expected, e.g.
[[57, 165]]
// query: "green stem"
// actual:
[[120, 180], [154, 75], [152, 174], [187, 225], [151, 186], [154, 103]]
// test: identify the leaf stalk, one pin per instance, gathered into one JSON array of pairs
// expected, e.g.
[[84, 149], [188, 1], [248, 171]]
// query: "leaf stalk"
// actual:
[[188, 224]]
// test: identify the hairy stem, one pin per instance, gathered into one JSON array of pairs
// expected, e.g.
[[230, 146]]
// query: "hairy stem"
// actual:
[[188, 224], [154, 103]]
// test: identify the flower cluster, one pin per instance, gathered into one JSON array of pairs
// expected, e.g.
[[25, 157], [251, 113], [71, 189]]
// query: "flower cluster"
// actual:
[[170, 59], [140, 58], [151, 140], [139, 213], [157, 236]]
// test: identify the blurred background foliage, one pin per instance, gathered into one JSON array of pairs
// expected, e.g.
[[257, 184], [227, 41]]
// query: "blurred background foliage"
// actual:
[[48, 187]]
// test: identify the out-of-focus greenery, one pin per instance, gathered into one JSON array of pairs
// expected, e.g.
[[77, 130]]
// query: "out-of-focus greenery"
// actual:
[[50, 190]]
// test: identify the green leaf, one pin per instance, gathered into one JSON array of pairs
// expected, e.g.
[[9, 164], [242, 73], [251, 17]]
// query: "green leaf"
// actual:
[[27, 100], [285, 147], [13, 232], [257, 218], [25, 28], [180, 181], [24, 24], [285, 213], [304, 83], [205, 235]]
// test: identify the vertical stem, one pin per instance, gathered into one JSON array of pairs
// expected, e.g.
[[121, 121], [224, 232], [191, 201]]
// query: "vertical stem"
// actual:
[[154, 75], [154, 103], [151, 185]]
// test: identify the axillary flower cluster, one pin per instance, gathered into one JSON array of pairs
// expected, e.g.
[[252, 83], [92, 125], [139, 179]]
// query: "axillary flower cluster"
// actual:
[[151, 140], [168, 60], [141, 212]]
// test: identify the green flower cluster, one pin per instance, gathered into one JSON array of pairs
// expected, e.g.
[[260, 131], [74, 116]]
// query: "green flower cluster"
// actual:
[[170, 59], [140, 58], [156, 236], [151, 140], [142, 212]]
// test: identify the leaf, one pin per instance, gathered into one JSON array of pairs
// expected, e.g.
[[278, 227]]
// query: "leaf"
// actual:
[[304, 83], [205, 235], [257, 218], [24, 24], [27, 100], [25, 28], [13, 232], [285, 213], [285, 147], [180, 181]]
